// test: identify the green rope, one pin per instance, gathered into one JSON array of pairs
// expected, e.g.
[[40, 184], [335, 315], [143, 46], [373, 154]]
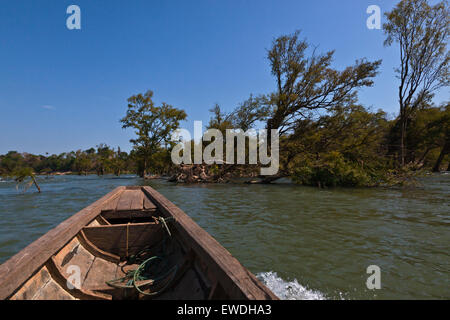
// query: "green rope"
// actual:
[[143, 273], [138, 275]]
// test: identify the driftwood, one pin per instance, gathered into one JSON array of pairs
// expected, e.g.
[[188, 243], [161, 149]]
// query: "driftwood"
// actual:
[[200, 173], [220, 173]]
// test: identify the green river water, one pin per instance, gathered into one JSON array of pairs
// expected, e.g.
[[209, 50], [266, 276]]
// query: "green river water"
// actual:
[[304, 243]]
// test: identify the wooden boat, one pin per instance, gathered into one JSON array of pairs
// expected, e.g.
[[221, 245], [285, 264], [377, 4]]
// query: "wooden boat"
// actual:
[[132, 243]]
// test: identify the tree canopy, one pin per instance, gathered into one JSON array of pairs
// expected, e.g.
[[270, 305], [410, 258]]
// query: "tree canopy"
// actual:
[[153, 125], [422, 32]]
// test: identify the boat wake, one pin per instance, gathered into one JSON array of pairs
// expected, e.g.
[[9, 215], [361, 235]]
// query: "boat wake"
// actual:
[[288, 290]]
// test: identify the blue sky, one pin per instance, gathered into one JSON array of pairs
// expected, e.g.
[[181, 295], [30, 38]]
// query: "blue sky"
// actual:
[[63, 90]]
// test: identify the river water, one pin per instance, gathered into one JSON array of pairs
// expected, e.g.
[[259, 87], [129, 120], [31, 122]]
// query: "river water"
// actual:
[[304, 243]]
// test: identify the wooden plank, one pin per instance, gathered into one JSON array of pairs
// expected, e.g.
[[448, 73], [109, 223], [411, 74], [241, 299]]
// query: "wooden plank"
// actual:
[[112, 204], [89, 246], [124, 203], [188, 288], [100, 272], [237, 281], [33, 285], [114, 239], [148, 204], [62, 280], [137, 200], [128, 214], [101, 220], [52, 291], [94, 223], [20, 267], [74, 254]]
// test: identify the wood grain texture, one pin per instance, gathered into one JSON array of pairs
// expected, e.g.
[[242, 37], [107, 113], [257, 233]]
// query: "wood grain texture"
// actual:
[[101, 220], [52, 291], [74, 254], [61, 278], [148, 204], [129, 198], [112, 204], [95, 251], [112, 215], [33, 285], [136, 200], [19, 268], [100, 272], [113, 238]]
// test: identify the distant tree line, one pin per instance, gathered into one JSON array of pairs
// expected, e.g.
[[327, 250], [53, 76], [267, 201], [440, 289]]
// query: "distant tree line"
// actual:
[[100, 160]]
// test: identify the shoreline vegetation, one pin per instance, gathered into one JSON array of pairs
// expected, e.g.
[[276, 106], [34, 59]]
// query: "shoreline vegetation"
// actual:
[[327, 138]]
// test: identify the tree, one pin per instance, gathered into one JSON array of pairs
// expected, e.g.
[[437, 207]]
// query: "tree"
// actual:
[[153, 125], [83, 162], [119, 162], [426, 134], [305, 84], [11, 161], [243, 117], [422, 33], [103, 159], [443, 126], [249, 112], [220, 120], [345, 147], [22, 174]]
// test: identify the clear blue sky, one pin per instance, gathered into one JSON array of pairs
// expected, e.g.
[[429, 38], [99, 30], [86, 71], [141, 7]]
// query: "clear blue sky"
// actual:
[[62, 90]]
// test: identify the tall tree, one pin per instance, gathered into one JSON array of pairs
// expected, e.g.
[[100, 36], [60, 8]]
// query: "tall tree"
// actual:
[[153, 125], [304, 84], [422, 32]]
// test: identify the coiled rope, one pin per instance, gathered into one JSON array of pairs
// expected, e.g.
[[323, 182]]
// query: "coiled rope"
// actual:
[[143, 275]]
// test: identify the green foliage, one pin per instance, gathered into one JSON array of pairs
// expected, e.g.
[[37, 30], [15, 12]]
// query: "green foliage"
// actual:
[[422, 32], [153, 126], [102, 160], [343, 148], [350, 147], [326, 138], [309, 83], [333, 170], [244, 116]]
